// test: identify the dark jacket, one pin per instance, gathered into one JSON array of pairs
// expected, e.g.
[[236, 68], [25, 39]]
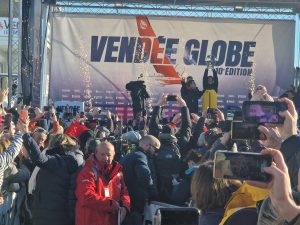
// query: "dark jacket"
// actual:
[[191, 98], [138, 94], [52, 193], [211, 217], [214, 85], [168, 157], [290, 149], [197, 132], [167, 164], [181, 193], [184, 135], [140, 178]]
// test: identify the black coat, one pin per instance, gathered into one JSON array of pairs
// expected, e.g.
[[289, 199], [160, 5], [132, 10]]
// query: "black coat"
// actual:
[[214, 85], [181, 193], [191, 98], [185, 131], [290, 149], [53, 190], [140, 178], [138, 94]]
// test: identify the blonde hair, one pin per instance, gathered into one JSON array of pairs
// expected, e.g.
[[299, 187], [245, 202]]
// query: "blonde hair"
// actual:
[[261, 94], [62, 140], [208, 192], [4, 144]]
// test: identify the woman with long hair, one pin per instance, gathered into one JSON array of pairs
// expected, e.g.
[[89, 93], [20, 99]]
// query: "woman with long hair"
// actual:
[[210, 195]]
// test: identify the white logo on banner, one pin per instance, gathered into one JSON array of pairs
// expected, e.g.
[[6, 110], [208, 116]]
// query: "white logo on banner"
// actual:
[[143, 25]]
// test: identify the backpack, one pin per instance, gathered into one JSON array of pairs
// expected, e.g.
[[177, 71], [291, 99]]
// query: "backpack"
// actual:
[[72, 197]]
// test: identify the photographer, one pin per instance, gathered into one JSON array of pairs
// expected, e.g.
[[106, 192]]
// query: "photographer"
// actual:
[[138, 94]]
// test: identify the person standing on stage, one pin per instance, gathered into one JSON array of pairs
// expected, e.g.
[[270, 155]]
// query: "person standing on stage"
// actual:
[[191, 94], [210, 86]]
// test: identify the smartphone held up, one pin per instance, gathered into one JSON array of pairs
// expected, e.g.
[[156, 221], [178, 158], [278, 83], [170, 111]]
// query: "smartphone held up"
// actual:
[[263, 112], [241, 166], [246, 131]]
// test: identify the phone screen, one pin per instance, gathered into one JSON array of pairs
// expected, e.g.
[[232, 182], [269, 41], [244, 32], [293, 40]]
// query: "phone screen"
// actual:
[[178, 216], [245, 131], [241, 166], [172, 98], [263, 112], [225, 125]]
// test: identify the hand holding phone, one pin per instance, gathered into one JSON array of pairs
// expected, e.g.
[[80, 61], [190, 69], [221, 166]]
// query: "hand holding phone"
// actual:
[[23, 115], [211, 113], [273, 138], [280, 187], [289, 127], [241, 166]]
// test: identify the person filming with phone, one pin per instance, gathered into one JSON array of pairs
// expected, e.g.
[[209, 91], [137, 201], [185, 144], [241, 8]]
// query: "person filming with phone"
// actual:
[[280, 189]]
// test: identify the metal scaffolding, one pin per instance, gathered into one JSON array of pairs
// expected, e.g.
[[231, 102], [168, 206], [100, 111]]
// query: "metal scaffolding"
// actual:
[[208, 9], [236, 9], [14, 47]]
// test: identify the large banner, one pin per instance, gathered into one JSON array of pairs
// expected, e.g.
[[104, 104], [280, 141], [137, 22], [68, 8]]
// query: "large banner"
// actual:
[[93, 57]]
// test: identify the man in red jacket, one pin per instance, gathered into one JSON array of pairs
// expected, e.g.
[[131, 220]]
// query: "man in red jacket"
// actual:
[[102, 196]]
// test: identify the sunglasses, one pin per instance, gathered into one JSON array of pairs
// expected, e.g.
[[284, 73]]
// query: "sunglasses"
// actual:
[[156, 149]]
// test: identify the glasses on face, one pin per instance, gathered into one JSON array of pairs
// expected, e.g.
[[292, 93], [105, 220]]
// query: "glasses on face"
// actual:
[[155, 148]]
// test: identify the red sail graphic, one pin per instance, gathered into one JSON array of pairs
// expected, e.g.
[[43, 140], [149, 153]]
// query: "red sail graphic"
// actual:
[[161, 66]]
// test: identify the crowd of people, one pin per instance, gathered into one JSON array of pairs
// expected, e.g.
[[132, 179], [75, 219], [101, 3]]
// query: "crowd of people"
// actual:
[[93, 169]]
